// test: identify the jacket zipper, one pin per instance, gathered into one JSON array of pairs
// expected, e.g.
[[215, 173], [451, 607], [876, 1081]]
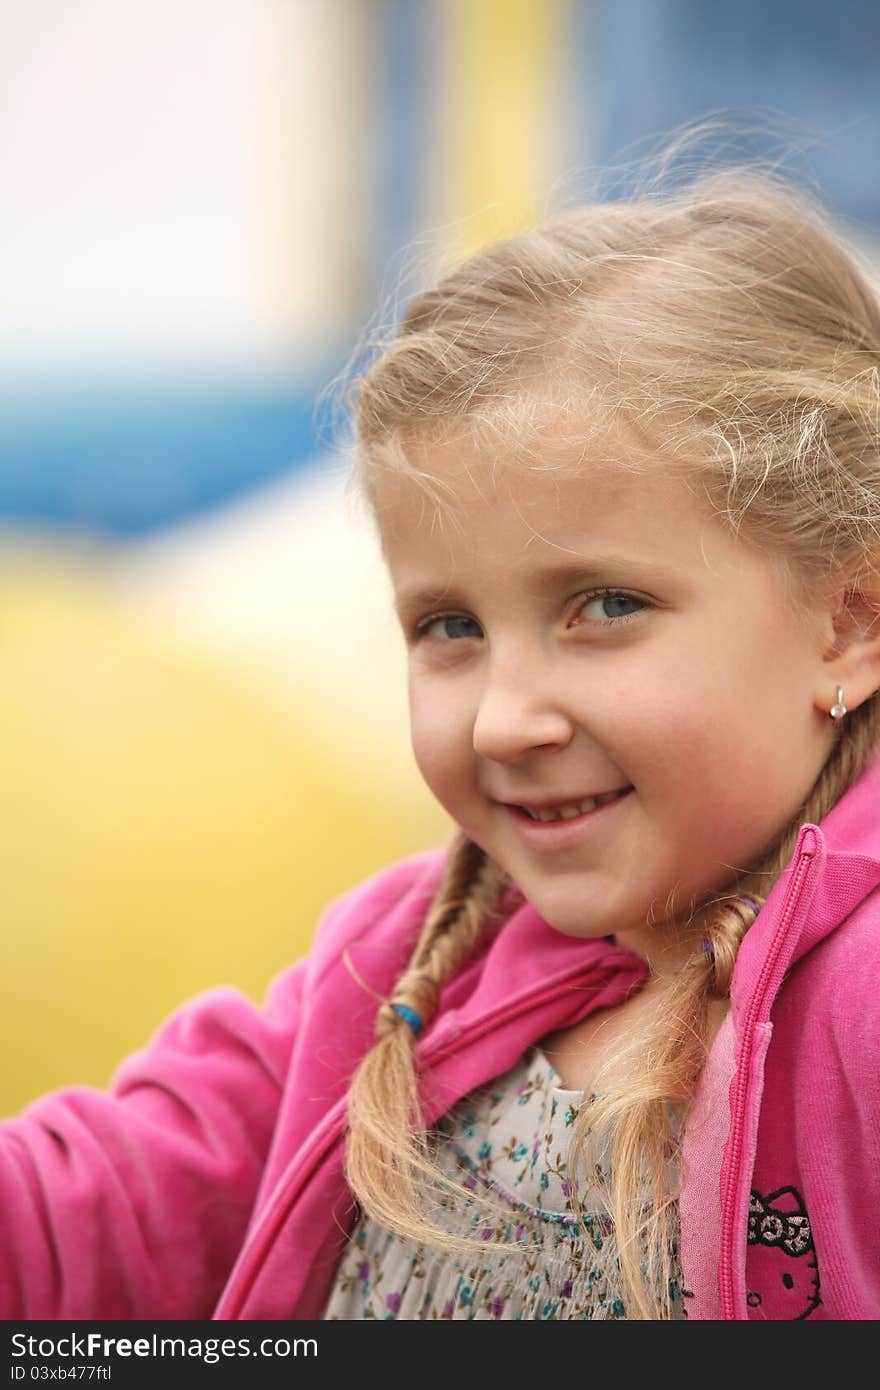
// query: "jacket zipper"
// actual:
[[276, 1211], [737, 1127]]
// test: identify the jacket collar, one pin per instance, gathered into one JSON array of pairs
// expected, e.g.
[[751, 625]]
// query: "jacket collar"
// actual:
[[529, 957]]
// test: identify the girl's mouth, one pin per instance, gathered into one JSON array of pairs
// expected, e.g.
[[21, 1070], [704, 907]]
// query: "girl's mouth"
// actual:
[[557, 834]]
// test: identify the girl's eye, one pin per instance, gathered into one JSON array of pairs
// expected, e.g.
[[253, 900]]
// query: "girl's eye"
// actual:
[[615, 608], [448, 621]]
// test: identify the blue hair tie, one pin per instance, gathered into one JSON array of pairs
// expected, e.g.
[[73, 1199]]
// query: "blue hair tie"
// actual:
[[752, 903], [409, 1016]]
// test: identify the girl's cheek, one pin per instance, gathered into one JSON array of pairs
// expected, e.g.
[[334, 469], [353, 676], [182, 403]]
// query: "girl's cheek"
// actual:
[[436, 746]]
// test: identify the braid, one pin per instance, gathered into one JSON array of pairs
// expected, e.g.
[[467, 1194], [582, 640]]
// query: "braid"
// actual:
[[388, 1147], [464, 898]]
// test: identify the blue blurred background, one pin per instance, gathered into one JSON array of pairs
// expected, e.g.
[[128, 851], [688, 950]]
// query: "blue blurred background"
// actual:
[[205, 202]]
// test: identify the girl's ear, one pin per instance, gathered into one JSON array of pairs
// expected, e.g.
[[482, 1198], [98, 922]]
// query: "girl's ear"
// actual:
[[851, 655]]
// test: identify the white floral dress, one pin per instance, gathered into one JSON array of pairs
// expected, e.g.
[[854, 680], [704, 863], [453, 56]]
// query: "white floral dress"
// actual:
[[509, 1142]]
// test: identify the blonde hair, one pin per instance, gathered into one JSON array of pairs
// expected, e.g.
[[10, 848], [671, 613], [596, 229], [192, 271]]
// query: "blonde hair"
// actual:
[[725, 320]]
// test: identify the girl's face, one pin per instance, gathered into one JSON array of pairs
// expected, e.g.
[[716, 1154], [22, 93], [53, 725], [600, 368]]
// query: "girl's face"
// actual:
[[569, 638]]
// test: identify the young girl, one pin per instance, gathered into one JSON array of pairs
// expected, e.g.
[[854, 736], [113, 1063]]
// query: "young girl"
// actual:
[[612, 1053]]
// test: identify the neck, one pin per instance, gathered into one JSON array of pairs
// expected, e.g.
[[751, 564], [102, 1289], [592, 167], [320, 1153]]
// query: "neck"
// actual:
[[663, 949]]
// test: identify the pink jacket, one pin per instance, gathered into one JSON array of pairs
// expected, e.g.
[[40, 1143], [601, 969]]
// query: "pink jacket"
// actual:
[[208, 1180]]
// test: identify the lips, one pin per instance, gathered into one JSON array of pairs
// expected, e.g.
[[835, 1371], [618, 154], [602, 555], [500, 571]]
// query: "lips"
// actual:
[[564, 831], [578, 804]]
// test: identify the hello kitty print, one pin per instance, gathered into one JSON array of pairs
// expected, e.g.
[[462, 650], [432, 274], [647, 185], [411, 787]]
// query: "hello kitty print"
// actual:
[[782, 1271]]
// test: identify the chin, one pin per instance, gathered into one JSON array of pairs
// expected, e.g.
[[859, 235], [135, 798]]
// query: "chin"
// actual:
[[570, 919]]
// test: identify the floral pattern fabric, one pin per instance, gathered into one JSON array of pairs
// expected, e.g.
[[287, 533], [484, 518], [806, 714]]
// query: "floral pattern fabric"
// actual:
[[507, 1144]]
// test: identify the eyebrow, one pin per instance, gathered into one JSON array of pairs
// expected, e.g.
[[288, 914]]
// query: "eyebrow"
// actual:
[[544, 580]]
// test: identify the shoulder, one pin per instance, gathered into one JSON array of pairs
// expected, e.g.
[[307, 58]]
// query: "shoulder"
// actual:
[[848, 958], [382, 907], [853, 971], [395, 897], [837, 984], [223, 1021]]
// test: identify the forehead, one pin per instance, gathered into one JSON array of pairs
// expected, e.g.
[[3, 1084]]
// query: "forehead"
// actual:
[[463, 503], [477, 527]]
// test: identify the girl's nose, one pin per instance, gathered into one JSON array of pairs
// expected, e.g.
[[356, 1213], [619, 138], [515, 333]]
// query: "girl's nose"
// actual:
[[517, 716]]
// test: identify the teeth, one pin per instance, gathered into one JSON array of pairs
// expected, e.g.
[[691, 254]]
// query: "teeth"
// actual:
[[565, 812], [569, 812], [611, 796]]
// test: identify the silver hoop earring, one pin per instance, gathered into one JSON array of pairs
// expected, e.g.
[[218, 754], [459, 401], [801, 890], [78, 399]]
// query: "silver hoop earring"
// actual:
[[838, 710]]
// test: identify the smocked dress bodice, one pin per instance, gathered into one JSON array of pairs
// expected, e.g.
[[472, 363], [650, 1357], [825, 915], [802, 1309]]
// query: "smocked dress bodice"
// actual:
[[507, 1144]]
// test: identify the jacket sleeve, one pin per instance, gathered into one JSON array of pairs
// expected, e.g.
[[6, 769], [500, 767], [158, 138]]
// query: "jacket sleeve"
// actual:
[[133, 1202]]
